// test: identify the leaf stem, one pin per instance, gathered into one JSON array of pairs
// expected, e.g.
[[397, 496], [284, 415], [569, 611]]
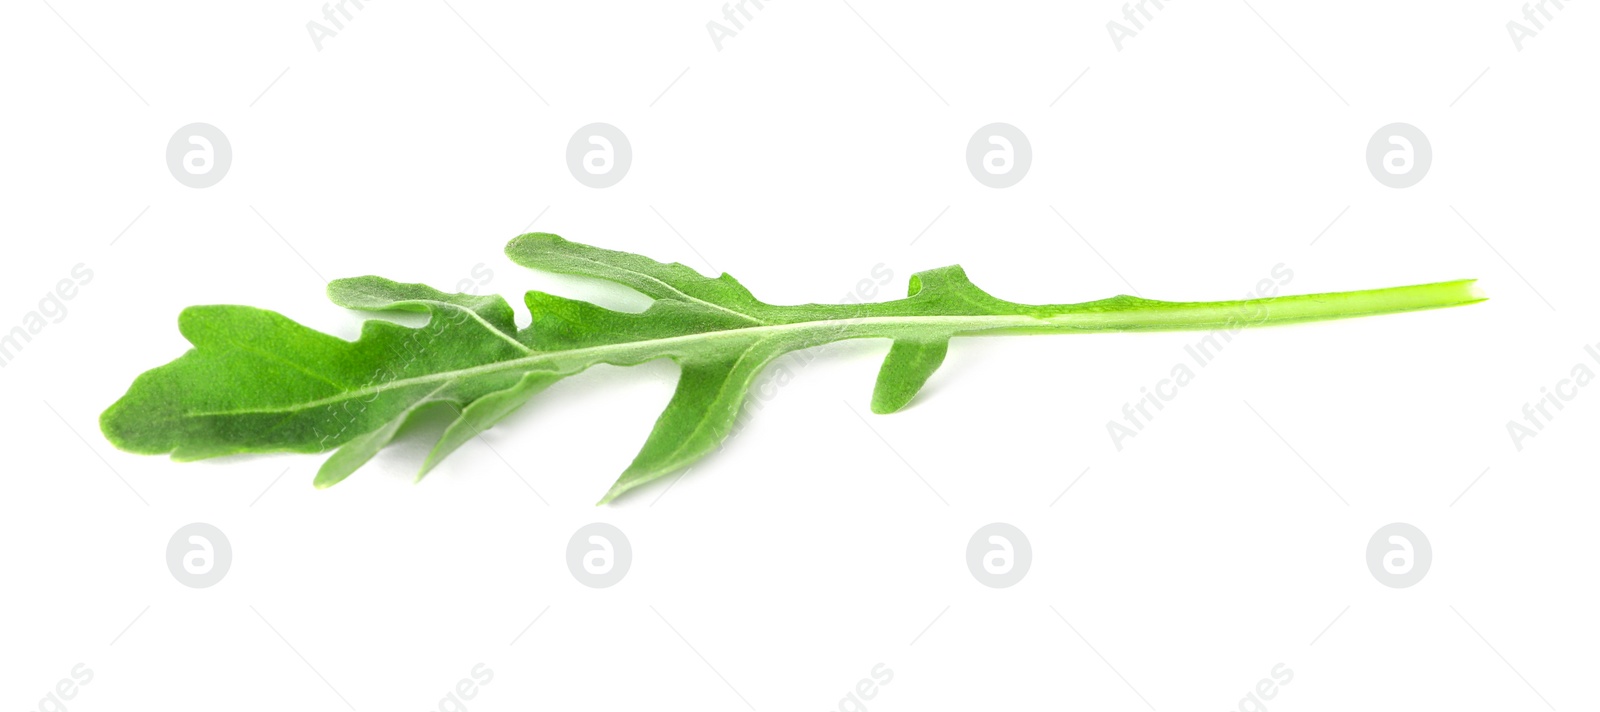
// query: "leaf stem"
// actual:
[[1135, 314]]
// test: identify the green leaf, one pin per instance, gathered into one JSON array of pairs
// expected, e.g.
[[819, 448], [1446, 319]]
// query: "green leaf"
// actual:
[[909, 364], [483, 413], [257, 382], [912, 360], [701, 413]]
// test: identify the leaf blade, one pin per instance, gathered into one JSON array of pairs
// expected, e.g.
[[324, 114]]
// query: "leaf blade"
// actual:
[[701, 414], [909, 364]]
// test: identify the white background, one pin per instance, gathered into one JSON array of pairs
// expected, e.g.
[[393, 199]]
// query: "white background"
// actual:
[[1172, 575]]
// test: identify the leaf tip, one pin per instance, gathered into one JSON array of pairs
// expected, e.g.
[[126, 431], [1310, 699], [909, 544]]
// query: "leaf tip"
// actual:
[[110, 428], [905, 371], [344, 290], [532, 243], [329, 476], [885, 405], [621, 487]]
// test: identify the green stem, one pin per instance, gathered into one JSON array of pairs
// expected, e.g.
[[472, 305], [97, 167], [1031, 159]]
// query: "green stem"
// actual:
[[1135, 314]]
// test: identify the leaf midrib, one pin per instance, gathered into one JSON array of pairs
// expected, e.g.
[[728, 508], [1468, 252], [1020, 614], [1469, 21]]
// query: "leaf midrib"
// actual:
[[591, 355]]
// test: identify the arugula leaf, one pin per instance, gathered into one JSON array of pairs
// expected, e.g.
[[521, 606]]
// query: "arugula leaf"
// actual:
[[256, 381]]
